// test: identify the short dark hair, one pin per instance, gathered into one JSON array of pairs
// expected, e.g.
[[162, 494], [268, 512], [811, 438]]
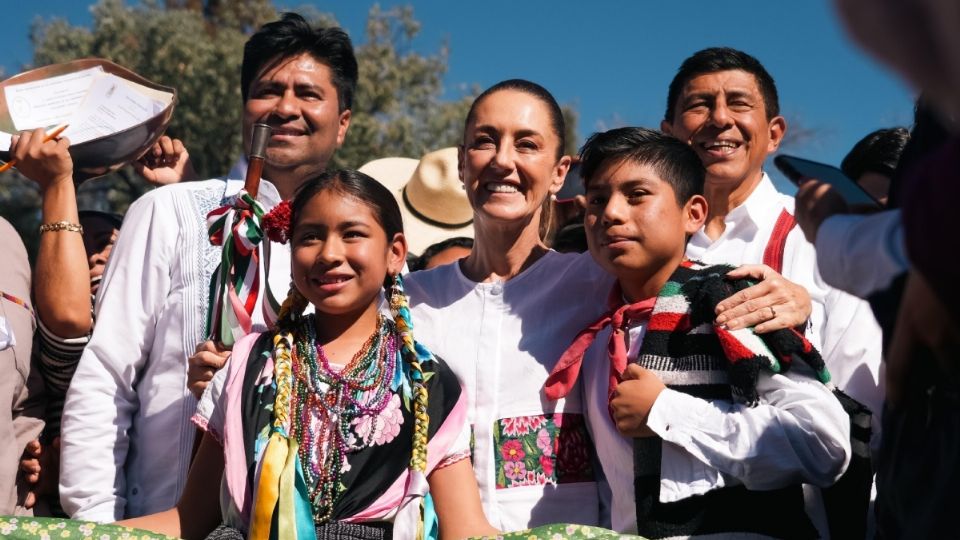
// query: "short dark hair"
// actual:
[[717, 59], [457, 241], [352, 184], [878, 152], [293, 35], [535, 90], [673, 160], [89, 216]]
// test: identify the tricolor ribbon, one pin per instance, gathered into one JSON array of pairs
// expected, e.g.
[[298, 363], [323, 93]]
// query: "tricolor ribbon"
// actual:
[[235, 285]]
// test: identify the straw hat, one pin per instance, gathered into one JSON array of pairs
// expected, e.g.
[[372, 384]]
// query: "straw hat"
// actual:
[[431, 198]]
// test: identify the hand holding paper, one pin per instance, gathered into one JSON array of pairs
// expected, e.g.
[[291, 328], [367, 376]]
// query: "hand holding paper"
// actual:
[[44, 158]]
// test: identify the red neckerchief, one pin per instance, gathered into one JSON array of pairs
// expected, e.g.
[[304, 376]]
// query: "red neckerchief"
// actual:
[[565, 373]]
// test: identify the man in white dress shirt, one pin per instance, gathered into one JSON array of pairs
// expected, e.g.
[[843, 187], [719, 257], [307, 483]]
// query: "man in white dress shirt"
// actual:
[[127, 439], [724, 104]]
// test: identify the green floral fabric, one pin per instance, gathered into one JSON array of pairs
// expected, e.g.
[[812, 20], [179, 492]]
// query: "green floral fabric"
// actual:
[[561, 531], [542, 449], [35, 528]]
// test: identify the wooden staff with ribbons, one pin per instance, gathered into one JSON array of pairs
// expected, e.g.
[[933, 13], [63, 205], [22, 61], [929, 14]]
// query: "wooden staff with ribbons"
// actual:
[[236, 226]]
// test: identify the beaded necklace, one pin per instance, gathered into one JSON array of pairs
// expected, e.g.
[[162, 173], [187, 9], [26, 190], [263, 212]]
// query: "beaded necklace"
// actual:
[[326, 401]]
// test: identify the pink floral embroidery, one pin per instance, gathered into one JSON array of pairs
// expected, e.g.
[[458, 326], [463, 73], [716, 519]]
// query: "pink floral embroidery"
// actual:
[[522, 425], [512, 451], [543, 449], [379, 429], [545, 442], [546, 464], [515, 470]]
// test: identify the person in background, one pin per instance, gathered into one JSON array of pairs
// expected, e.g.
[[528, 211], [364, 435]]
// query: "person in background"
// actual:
[[126, 435], [67, 274], [568, 205], [444, 252], [21, 387], [431, 197], [919, 466], [872, 162]]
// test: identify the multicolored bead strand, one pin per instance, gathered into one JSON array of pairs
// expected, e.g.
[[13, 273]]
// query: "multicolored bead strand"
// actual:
[[327, 401]]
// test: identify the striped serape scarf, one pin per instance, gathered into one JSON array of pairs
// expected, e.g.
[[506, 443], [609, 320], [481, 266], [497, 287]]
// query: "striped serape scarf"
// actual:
[[684, 318]]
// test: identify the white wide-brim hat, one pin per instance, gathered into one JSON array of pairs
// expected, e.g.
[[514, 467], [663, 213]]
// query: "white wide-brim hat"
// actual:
[[432, 200]]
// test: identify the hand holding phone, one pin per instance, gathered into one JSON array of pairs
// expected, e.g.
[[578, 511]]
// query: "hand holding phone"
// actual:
[[800, 170]]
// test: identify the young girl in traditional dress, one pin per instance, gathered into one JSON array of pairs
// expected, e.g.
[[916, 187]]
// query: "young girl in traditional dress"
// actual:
[[336, 424]]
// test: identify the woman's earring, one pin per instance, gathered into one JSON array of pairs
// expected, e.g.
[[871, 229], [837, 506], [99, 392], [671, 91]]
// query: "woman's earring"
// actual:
[[396, 294]]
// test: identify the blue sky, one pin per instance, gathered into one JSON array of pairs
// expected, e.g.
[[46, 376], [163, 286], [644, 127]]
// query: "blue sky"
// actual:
[[613, 60]]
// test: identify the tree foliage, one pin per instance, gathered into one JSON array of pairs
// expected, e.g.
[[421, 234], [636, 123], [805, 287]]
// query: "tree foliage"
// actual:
[[196, 46]]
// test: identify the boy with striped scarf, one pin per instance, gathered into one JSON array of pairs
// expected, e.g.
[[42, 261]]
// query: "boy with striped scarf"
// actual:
[[700, 430]]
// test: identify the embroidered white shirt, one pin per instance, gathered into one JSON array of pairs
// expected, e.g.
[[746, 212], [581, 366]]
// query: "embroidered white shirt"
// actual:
[[126, 435], [798, 433], [502, 340]]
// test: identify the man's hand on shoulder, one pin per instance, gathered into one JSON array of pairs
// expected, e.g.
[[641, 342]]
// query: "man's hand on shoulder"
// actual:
[[633, 399], [167, 162], [772, 304]]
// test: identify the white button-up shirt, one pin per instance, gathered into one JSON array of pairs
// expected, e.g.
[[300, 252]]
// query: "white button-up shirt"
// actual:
[[127, 438], [862, 254], [842, 327], [713, 444]]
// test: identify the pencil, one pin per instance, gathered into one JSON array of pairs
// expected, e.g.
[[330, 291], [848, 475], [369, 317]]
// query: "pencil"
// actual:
[[49, 137]]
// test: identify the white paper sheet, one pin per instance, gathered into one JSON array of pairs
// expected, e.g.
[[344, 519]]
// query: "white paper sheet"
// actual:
[[50, 101], [5, 141], [111, 105]]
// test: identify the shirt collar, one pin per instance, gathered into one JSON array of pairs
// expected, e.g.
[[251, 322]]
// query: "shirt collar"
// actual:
[[757, 208]]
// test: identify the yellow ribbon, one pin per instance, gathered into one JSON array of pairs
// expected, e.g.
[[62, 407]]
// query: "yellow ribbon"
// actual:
[[287, 518], [268, 489]]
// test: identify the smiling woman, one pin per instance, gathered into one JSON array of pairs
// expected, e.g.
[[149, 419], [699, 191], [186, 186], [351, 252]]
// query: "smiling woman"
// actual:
[[503, 315]]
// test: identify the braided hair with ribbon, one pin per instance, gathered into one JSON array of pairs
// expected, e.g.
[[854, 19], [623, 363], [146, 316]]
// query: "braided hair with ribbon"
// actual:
[[281, 452]]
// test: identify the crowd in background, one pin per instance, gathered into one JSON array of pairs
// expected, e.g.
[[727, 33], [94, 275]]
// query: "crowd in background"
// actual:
[[647, 337]]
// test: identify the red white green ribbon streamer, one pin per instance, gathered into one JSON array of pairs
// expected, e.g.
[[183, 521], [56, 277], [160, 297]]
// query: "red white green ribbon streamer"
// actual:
[[235, 285]]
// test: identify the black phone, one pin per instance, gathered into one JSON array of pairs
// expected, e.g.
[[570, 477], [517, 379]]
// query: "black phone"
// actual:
[[799, 170]]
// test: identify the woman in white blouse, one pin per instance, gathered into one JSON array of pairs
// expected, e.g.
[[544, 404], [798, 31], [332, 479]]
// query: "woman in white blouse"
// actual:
[[502, 316]]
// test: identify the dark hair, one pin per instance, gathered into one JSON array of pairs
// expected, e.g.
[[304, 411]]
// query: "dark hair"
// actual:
[[717, 59], [535, 90], [88, 216], [352, 184], [293, 35], [674, 161], [926, 135], [421, 262], [878, 152]]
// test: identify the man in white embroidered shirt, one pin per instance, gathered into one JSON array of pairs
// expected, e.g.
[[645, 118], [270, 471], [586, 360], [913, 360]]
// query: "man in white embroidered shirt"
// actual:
[[724, 104], [127, 439]]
